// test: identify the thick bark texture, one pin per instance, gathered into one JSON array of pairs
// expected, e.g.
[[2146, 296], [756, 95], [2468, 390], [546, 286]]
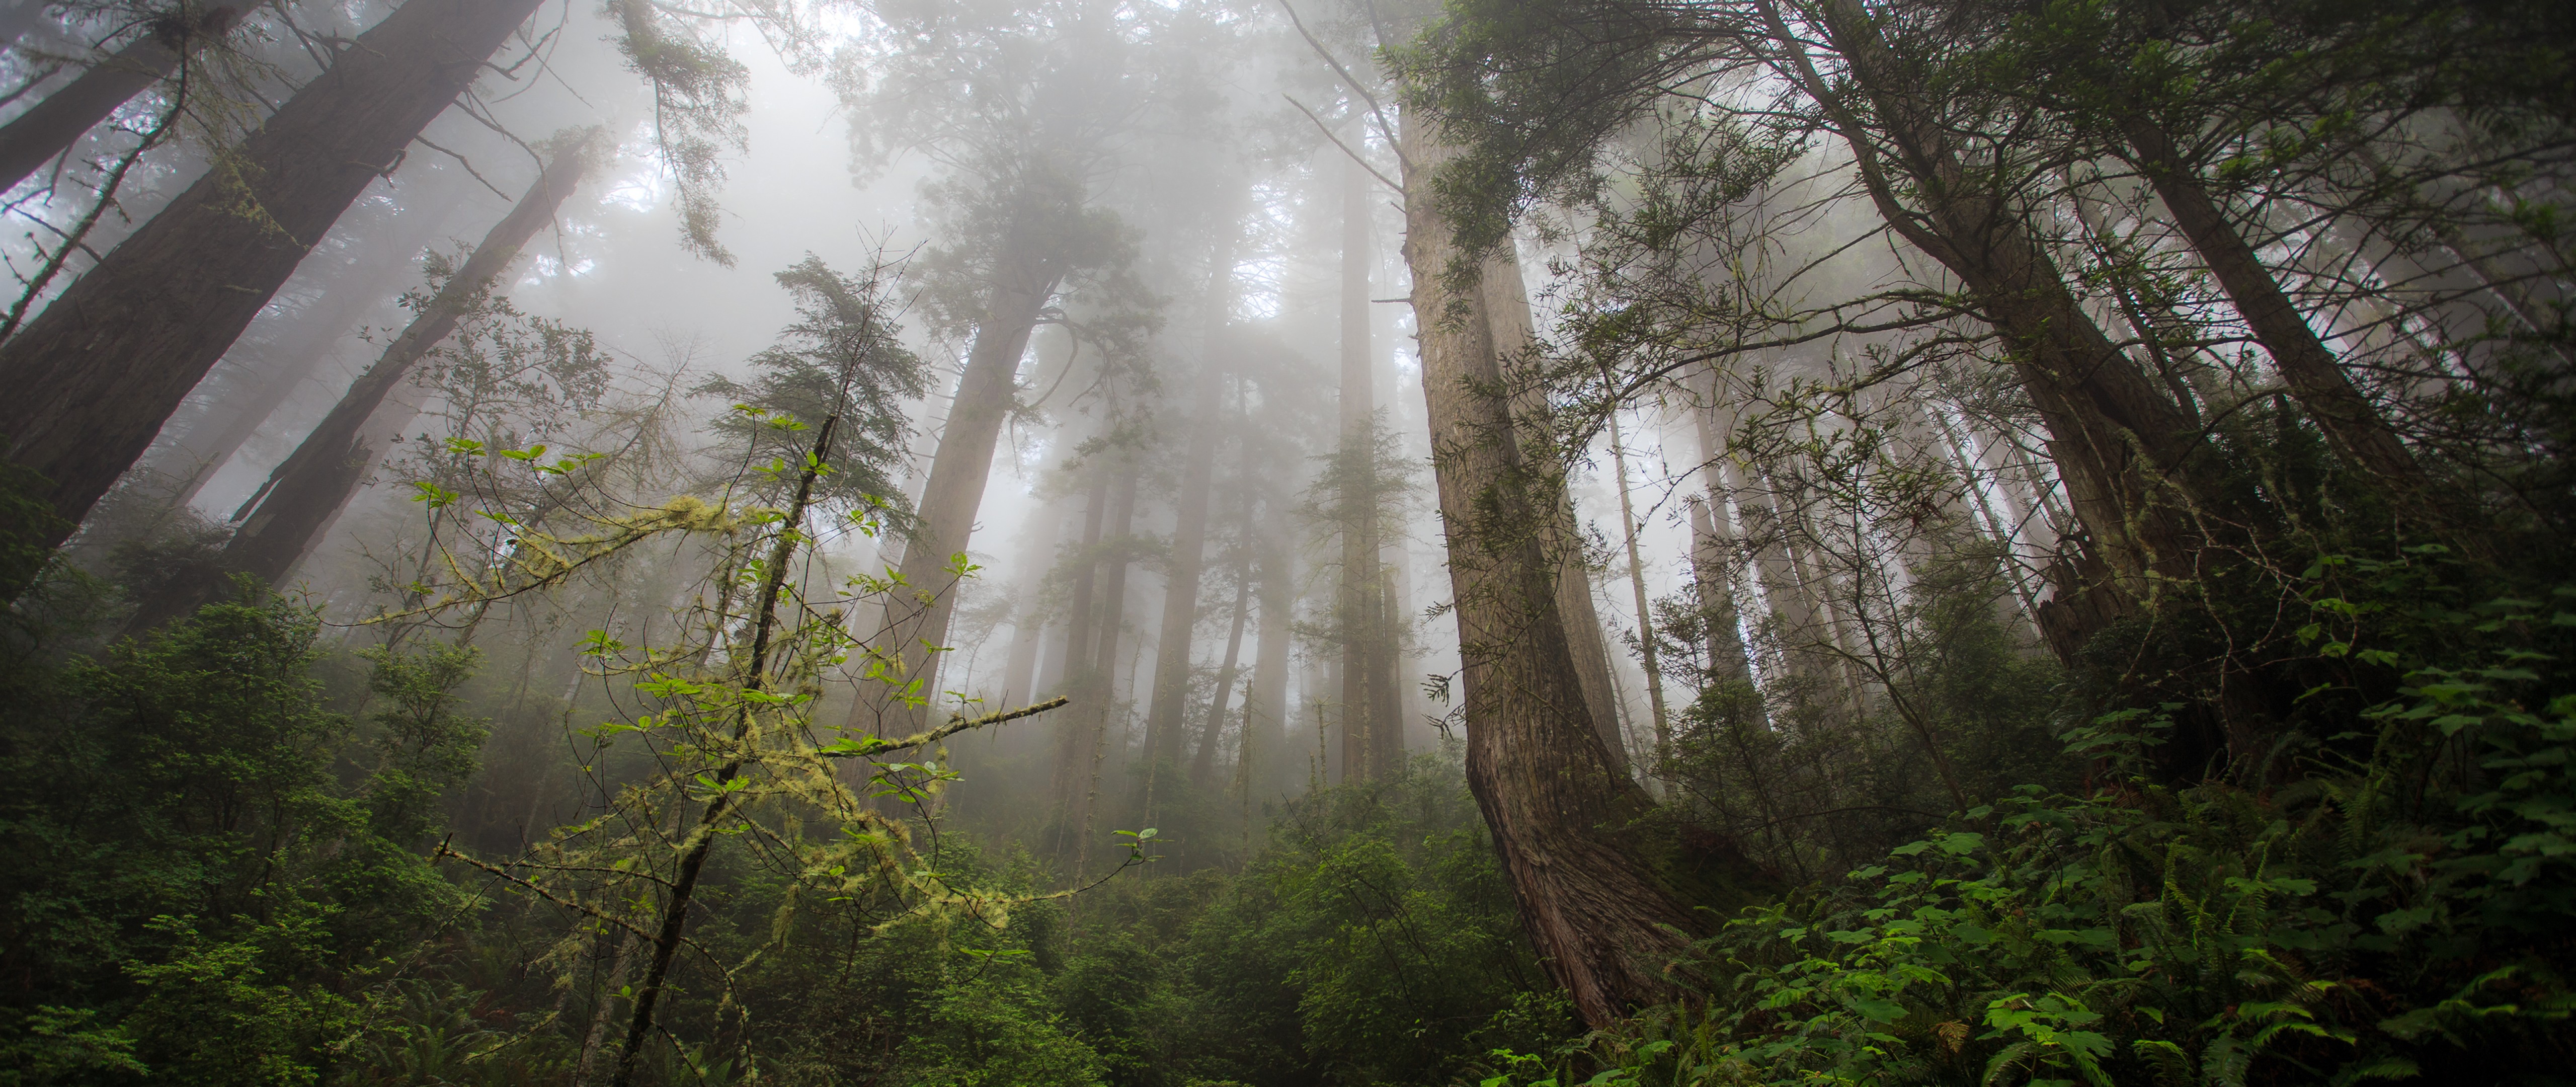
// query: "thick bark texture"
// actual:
[[1505, 302], [1564, 816], [1166, 724], [104, 366], [305, 493], [959, 472], [2352, 427], [33, 138]]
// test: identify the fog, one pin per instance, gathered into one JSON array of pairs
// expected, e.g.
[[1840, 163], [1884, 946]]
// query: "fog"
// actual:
[[1194, 543]]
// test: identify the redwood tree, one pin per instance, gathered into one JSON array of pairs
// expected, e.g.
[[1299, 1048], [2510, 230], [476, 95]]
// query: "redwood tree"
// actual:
[[101, 369]]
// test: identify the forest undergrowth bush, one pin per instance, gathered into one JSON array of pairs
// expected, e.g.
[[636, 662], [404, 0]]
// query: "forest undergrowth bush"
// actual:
[[2393, 911]]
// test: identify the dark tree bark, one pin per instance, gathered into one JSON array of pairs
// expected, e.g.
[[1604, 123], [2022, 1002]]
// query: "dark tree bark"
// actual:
[[2352, 427], [292, 356], [33, 138], [305, 493], [104, 366], [1566, 820], [2138, 471]]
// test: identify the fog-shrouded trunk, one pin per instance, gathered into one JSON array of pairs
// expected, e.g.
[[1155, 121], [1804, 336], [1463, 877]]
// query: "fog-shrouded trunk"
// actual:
[[1166, 724], [959, 471], [1717, 553], [2135, 467], [1028, 624], [52, 126], [1265, 699], [305, 493], [295, 354], [1072, 672], [1565, 817], [1505, 304], [1098, 678], [105, 365], [1371, 717], [2352, 427]]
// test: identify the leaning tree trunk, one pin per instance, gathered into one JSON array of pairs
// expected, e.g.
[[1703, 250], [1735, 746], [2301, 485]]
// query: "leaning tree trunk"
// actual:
[[2352, 427], [104, 366], [33, 138], [917, 622], [346, 296], [2138, 471], [304, 494], [1564, 817], [1166, 725]]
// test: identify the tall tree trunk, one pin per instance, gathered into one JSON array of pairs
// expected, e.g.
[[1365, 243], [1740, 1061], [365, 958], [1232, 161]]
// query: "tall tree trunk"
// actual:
[[1372, 732], [1166, 724], [1265, 699], [305, 493], [33, 138], [1716, 553], [1564, 816], [1645, 611], [918, 622], [2138, 471], [1074, 671], [1203, 764], [2352, 427], [346, 296], [1028, 627], [1505, 304], [104, 366]]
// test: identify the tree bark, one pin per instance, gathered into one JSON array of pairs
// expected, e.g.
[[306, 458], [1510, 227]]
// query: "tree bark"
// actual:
[[1073, 672], [1563, 815], [1166, 725], [306, 492], [104, 366], [2138, 471], [959, 471], [1203, 764], [346, 296], [33, 138], [1645, 614], [1505, 302], [1372, 725], [1265, 699], [2352, 427]]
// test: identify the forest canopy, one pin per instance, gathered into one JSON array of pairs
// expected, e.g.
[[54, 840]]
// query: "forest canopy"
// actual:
[[1202, 543]]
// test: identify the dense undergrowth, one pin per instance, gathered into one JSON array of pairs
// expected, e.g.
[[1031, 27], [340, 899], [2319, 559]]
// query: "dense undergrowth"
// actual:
[[2394, 909], [221, 838]]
